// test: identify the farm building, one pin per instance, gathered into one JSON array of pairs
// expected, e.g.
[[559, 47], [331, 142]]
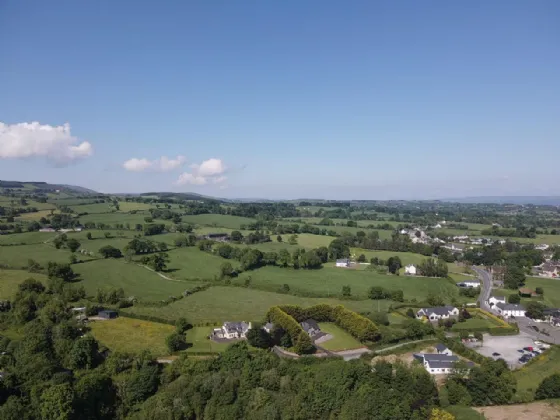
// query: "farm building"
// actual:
[[107, 314], [410, 269]]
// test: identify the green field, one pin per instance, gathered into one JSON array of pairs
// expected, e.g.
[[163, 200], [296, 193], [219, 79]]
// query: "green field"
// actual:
[[328, 281], [36, 215], [530, 376], [198, 341], [191, 263], [25, 238], [218, 220], [219, 304], [18, 256], [95, 208], [10, 279], [464, 413], [551, 289], [308, 240], [132, 335], [125, 206], [341, 339], [115, 218], [135, 280], [472, 323]]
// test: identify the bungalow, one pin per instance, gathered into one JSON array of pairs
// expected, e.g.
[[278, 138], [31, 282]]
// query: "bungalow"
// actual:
[[469, 284], [232, 330], [311, 327], [47, 229], [510, 309], [268, 327], [442, 349], [344, 262], [494, 300], [441, 312], [437, 364], [410, 269]]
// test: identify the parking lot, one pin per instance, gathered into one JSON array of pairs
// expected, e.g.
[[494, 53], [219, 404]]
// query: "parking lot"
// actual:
[[507, 346]]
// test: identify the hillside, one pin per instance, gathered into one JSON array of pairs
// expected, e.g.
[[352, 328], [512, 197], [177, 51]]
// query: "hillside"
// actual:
[[45, 187]]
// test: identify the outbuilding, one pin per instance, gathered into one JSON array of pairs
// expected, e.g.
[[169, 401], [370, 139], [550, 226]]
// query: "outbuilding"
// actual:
[[107, 314]]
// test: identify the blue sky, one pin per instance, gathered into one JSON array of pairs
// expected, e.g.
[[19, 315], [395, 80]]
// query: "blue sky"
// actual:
[[290, 99]]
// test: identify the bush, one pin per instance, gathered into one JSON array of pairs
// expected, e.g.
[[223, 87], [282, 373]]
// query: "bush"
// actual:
[[175, 342], [549, 387]]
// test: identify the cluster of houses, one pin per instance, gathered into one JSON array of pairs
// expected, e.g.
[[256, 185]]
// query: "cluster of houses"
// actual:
[[549, 269], [52, 230]]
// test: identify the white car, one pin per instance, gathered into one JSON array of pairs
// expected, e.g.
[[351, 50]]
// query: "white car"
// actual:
[[537, 343]]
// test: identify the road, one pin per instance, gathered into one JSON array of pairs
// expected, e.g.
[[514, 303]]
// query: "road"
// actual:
[[523, 323]]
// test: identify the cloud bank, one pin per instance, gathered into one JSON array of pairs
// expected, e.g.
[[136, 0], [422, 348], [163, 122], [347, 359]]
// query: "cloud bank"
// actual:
[[210, 171], [55, 143], [163, 164]]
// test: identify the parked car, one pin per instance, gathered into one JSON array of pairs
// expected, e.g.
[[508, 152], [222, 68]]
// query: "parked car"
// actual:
[[521, 351], [495, 354], [534, 327], [537, 343]]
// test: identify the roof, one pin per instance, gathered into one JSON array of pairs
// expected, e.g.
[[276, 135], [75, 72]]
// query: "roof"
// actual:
[[268, 326], [310, 324], [343, 260], [502, 298], [441, 347], [510, 306], [526, 291], [440, 360], [440, 310], [240, 327]]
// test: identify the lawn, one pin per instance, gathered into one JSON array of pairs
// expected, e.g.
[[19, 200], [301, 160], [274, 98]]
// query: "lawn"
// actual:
[[218, 220], [328, 281], [341, 339], [198, 341], [132, 335], [18, 256], [473, 323], [10, 279], [135, 280], [219, 304], [26, 238], [530, 376]]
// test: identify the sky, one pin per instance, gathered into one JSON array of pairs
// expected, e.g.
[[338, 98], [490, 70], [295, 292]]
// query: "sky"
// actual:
[[283, 99]]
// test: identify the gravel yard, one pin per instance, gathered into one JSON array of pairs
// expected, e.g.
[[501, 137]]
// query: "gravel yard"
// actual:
[[507, 346]]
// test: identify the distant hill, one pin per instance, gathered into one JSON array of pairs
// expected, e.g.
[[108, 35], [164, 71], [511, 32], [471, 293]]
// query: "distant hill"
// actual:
[[39, 186], [537, 200]]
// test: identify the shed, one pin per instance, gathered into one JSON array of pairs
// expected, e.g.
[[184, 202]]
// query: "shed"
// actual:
[[108, 314]]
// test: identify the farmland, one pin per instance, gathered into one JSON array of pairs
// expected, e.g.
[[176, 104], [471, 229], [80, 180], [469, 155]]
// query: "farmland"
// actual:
[[551, 288], [219, 304], [10, 279], [129, 335], [18, 256], [222, 220]]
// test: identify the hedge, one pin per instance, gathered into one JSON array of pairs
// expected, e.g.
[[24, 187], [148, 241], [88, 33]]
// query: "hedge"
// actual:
[[146, 318], [461, 349], [357, 325], [280, 318]]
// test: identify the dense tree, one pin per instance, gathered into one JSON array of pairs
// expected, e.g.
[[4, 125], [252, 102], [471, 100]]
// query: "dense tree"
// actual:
[[57, 402], [73, 244], [175, 342], [534, 310], [346, 291], [515, 298], [284, 258], [549, 387], [310, 260], [236, 236], [338, 249], [109, 251], [61, 271], [226, 270], [84, 354], [514, 277], [258, 337], [96, 396]]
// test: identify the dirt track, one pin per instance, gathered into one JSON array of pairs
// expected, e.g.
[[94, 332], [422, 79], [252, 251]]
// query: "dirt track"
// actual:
[[533, 411]]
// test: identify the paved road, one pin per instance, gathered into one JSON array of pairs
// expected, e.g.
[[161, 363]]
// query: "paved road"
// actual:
[[524, 323]]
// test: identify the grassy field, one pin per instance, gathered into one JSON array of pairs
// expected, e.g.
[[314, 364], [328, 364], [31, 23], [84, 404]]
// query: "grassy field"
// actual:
[[406, 257], [328, 281], [125, 206], [36, 215], [219, 304], [472, 323], [94, 208], [191, 263], [115, 218], [218, 220], [198, 341], [551, 288], [10, 279], [135, 280], [18, 256], [341, 339], [132, 335], [530, 376], [308, 240], [26, 238]]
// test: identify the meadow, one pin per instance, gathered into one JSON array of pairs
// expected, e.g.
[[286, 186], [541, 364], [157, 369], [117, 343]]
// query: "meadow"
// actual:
[[551, 288], [17, 256], [135, 280], [191, 263], [221, 220], [341, 340], [115, 218], [530, 376], [26, 238], [129, 335], [36, 215], [10, 280], [328, 281], [219, 304]]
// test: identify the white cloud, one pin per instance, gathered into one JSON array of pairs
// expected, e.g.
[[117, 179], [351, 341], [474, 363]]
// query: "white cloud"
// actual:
[[55, 143], [163, 164], [209, 171]]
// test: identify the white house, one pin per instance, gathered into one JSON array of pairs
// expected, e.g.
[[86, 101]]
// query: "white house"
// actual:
[[47, 230], [410, 269], [510, 309], [438, 364], [442, 349], [469, 284], [345, 262], [542, 247], [441, 312], [494, 300], [232, 330]]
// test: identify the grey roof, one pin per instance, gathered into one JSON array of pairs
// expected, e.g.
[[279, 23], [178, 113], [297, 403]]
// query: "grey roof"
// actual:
[[268, 326], [440, 360], [239, 327], [440, 310], [441, 347], [510, 306], [310, 324]]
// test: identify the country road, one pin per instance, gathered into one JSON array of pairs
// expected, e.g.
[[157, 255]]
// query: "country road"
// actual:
[[525, 324]]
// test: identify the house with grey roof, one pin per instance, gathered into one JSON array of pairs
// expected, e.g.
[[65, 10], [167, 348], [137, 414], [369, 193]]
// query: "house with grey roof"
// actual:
[[344, 262], [437, 313], [268, 327], [442, 349], [311, 327], [232, 330], [494, 300], [509, 309], [438, 364]]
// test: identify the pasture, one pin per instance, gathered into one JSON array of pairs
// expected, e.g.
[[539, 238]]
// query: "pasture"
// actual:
[[218, 220], [36, 215], [10, 279], [219, 304], [94, 208], [26, 238], [341, 339], [551, 288], [128, 206], [18, 256], [191, 263], [135, 280], [308, 240], [328, 281], [129, 335], [115, 218]]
